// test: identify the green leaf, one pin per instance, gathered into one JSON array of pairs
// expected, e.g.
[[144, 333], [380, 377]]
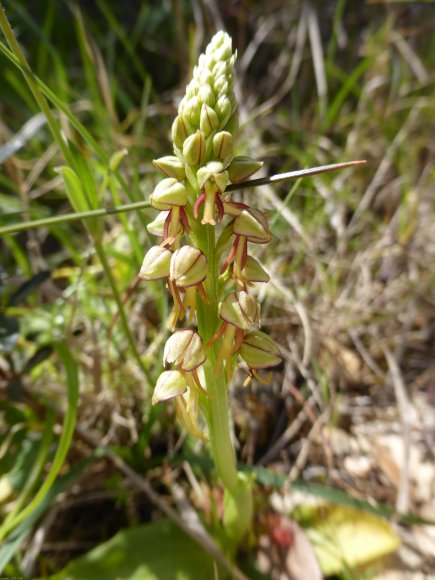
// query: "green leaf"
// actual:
[[344, 538], [28, 287], [335, 496], [16, 538], [149, 552], [36, 359], [81, 191], [74, 189], [9, 330], [86, 177]]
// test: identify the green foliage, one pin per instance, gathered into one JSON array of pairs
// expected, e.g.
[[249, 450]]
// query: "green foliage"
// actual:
[[156, 550]]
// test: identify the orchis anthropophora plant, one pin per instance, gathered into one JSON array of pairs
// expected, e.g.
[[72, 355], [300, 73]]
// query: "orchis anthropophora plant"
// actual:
[[210, 289], [207, 288]]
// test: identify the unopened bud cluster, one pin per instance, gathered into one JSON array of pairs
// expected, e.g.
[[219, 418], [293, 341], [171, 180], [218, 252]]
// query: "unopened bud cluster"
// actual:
[[193, 195]]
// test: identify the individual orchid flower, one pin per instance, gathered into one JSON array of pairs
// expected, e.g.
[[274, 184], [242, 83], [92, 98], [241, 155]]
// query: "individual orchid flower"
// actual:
[[212, 180], [170, 195], [239, 312], [185, 350], [250, 225], [252, 273], [156, 264], [259, 352], [173, 385], [188, 270]]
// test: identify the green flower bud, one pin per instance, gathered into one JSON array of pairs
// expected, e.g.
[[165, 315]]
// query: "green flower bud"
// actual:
[[219, 83], [171, 166], [212, 85], [170, 384], [243, 167], [205, 77], [241, 310], [191, 110], [156, 264], [232, 126], [180, 131], [223, 145], [259, 351], [168, 193], [188, 267], [253, 272], [209, 120], [194, 149], [212, 177], [223, 108], [252, 224], [206, 95], [220, 69], [184, 348], [192, 88]]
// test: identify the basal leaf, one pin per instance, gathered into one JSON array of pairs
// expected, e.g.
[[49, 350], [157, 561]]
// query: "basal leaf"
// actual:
[[149, 552]]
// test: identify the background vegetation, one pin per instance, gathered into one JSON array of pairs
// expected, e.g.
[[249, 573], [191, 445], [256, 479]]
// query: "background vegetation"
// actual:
[[349, 415]]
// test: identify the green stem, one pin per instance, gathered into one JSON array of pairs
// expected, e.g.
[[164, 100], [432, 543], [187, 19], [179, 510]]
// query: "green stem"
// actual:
[[238, 494], [208, 321]]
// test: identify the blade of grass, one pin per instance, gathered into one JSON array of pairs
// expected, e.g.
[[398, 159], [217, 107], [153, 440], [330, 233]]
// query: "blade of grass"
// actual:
[[121, 310], [45, 46], [45, 222], [334, 42], [125, 41], [88, 60], [33, 85], [72, 217], [332, 495], [286, 201], [348, 86], [81, 129], [72, 382], [36, 470]]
